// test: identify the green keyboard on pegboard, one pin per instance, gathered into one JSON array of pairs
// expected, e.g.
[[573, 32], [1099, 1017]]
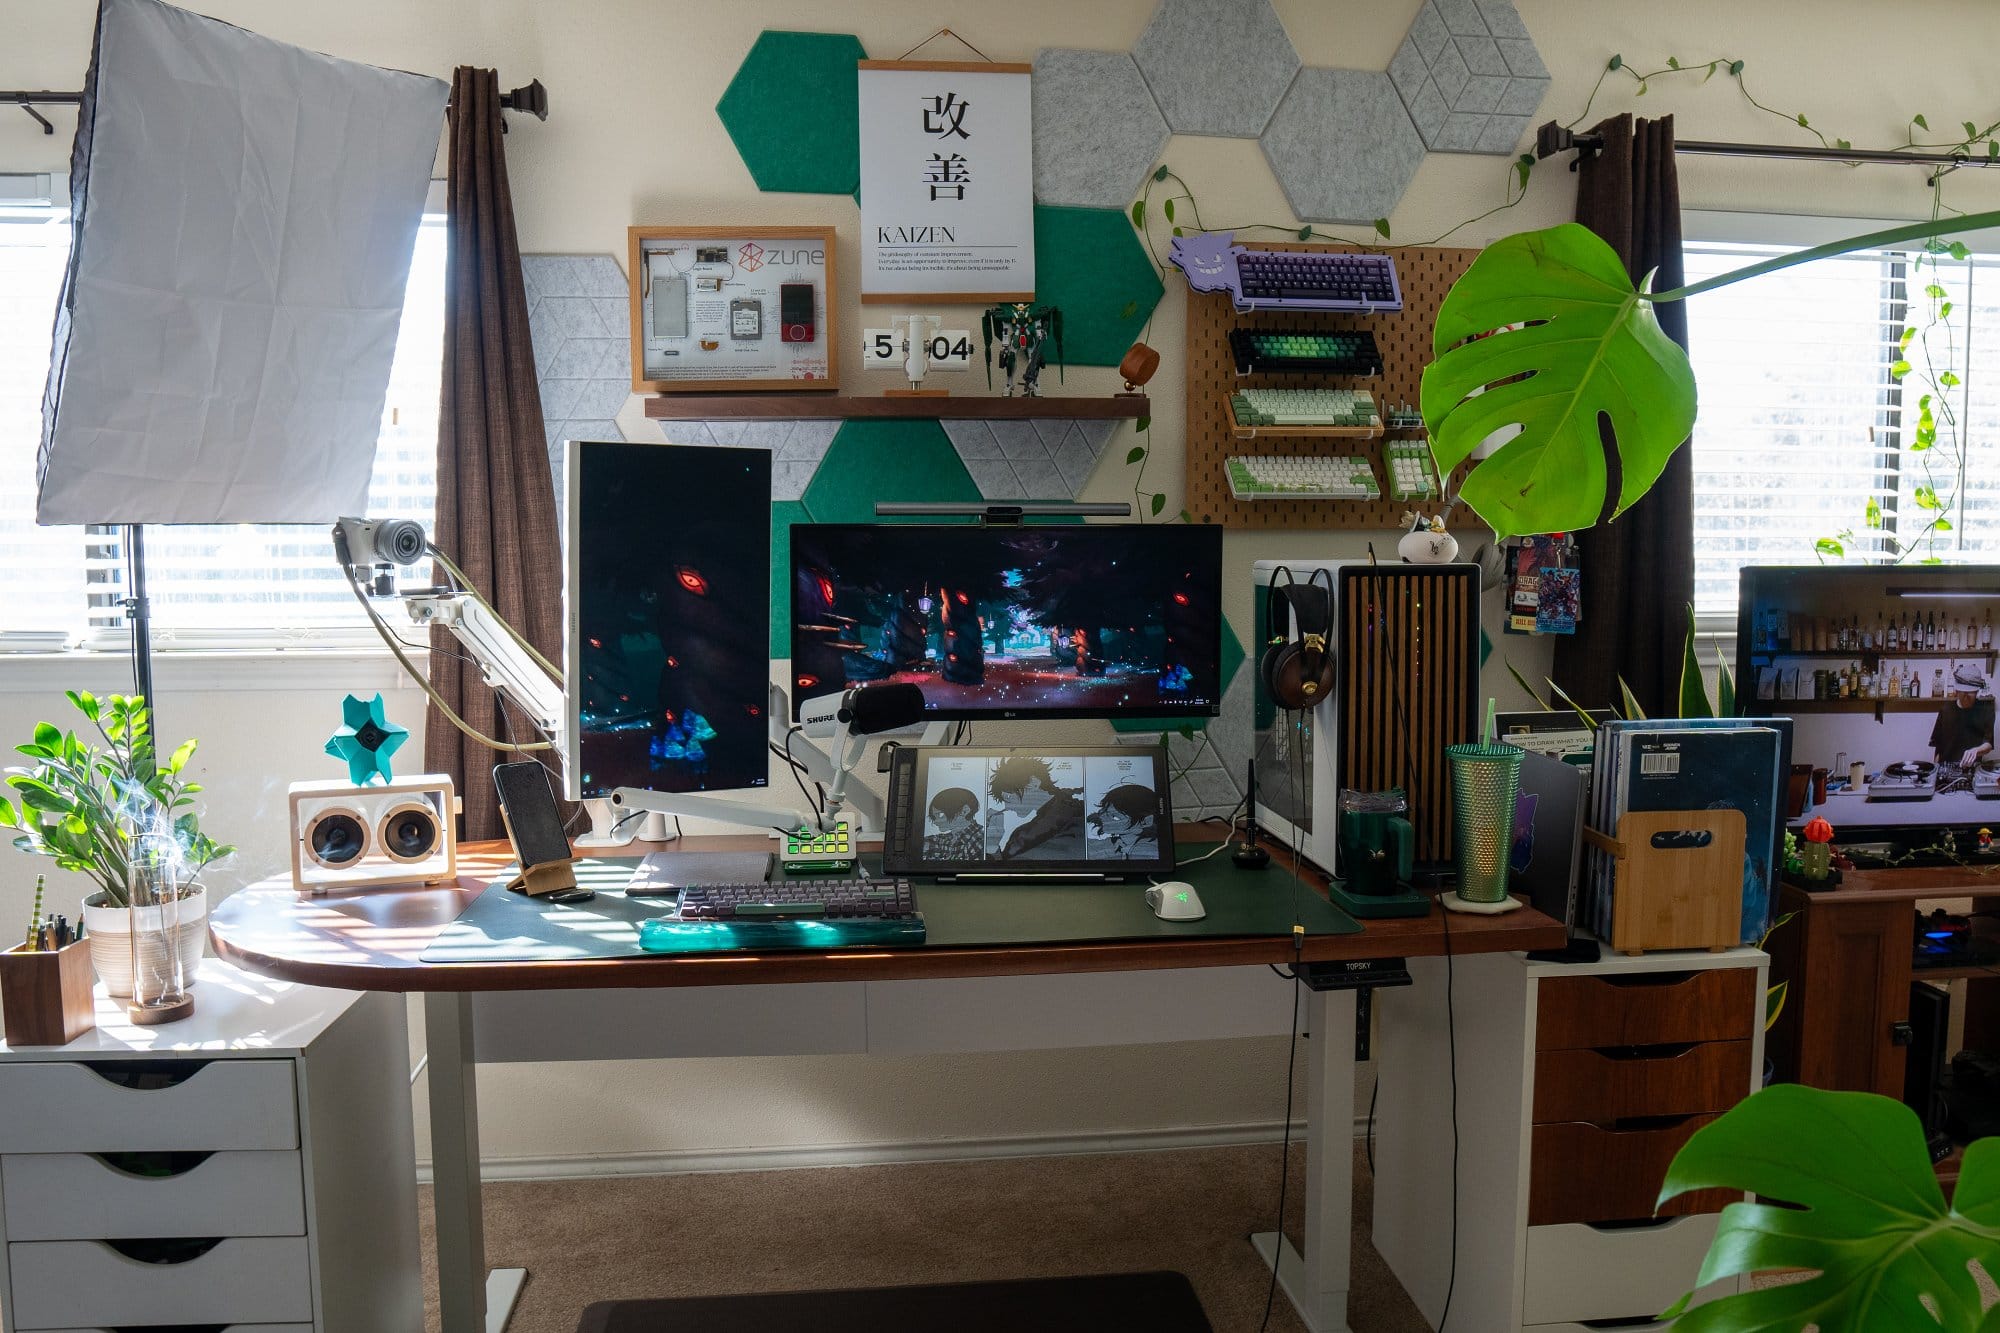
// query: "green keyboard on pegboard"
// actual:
[[1279, 477], [1283, 352], [1304, 407]]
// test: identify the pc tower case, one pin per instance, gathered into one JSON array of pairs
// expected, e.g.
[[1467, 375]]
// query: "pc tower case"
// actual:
[[1405, 640]]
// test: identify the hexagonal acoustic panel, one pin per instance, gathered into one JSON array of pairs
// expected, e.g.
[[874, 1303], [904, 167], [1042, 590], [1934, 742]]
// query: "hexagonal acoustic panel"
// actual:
[[1097, 130], [1470, 76], [793, 112], [1342, 146], [885, 460], [1047, 459], [1216, 67], [1089, 264]]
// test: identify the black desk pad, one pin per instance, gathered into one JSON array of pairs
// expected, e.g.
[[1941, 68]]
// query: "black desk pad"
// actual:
[[501, 926]]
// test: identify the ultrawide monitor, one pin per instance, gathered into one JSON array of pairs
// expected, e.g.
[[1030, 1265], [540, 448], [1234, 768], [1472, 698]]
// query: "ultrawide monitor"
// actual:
[[1088, 620], [666, 617]]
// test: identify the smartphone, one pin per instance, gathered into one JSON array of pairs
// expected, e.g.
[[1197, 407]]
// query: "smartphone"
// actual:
[[795, 312]]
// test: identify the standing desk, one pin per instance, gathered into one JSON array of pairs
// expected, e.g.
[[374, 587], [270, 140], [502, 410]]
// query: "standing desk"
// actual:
[[1000, 997]]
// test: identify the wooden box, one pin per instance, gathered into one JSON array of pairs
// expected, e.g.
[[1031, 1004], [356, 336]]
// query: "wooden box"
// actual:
[[1671, 891], [46, 996]]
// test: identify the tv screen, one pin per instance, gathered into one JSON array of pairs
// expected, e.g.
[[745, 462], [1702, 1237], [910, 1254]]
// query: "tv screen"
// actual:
[[667, 613], [1065, 621], [1887, 671]]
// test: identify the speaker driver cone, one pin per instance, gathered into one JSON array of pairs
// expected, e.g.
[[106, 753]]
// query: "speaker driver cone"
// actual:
[[336, 838], [409, 831]]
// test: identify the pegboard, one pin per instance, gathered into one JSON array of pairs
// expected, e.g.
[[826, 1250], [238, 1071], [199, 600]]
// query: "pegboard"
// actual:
[[1404, 339]]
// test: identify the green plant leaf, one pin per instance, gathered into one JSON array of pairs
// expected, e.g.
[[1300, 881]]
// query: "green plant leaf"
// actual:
[[1694, 690], [1382, 228], [1574, 706], [1842, 143], [1161, 173], [1926, 498], [1528, 689], [1725, 686], [1942, 525], [1615, 62], [1867, 1215], [1630, 702], [1916, 120], [1774, 1003], [1139, 214], [1828, 546], [1736, 67], [1899, 369], [9, 816], [1802, 121], [1305, 233], [1143, 423], [1167, 207], [1673, 62], [178, 760], [1590, 346], [1159, 501], [1134, 454], [1873, 513], [1959, 250]]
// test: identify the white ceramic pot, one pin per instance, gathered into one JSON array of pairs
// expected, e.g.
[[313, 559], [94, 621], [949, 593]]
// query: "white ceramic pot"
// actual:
[[110, 930], [1428, 548]]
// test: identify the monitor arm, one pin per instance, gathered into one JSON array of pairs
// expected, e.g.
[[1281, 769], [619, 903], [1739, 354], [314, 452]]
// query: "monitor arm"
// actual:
[[502, 663]]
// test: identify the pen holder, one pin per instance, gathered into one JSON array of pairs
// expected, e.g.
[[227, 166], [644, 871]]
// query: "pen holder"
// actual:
[[46, 996]]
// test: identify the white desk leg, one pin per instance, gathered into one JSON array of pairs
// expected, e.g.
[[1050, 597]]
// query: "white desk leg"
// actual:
[[1316, 1282], [469, 1300]]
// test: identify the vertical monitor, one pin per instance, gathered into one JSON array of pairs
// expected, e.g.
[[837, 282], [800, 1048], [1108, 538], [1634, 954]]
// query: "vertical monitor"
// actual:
[[666, 617], [1085, 620]]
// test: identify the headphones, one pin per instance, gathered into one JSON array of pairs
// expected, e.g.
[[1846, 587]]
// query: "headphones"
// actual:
[[1298, 673]]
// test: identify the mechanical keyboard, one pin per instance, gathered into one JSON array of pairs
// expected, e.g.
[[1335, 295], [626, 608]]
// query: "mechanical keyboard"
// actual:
[[827, 899], [1287, 279], [1304, 407], [1281, 352], [1302, 478], [1407, 466]]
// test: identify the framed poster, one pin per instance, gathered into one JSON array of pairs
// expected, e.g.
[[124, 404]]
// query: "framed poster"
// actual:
[[726, 308], [947, 182]]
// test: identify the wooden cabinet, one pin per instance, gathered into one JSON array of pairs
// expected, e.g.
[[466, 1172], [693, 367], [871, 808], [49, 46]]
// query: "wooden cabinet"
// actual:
[[1575, 1086], [248, 1168]]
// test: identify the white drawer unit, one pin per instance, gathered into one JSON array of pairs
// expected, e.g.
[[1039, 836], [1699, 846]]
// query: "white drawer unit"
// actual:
[[250, 1169], [1576, 1084]]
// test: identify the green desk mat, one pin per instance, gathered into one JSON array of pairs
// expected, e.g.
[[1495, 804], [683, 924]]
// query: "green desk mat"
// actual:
[[505, 927]]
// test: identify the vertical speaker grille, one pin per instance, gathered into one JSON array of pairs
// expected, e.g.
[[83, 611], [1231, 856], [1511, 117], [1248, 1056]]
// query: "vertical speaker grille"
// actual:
[[1409, 669]]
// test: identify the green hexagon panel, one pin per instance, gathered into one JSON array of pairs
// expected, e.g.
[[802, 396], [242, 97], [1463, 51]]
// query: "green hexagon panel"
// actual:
[[793, 112], [886, 460], [1089, 264], [1232, 660]]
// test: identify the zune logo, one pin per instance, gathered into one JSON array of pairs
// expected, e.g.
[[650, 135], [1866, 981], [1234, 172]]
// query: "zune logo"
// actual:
[[751, 257]]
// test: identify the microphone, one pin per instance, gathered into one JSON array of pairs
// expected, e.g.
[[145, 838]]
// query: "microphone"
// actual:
[[865, 710], [1248, 855]]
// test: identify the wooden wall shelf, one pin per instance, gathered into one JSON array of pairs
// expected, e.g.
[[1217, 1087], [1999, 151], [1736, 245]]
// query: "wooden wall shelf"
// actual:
[[838, 407]]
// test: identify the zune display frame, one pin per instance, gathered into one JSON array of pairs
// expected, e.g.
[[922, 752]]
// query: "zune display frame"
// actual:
[[1095, 811], [874, 601]]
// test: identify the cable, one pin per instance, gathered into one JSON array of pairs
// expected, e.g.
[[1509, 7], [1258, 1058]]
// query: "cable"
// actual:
[[423, 682], [798, 770], [467, 588], [1375, 1092]]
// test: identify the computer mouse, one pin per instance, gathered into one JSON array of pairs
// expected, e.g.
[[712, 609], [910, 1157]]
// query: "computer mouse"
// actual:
[[1175, 900]]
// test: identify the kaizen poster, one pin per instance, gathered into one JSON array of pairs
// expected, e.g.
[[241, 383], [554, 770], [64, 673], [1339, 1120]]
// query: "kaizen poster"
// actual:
[[947, 182]]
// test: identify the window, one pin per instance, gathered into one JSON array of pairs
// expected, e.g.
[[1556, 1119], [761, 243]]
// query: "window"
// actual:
[[213, 585], [1804, 422]]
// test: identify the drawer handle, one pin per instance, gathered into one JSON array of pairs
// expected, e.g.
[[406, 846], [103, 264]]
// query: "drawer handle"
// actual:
[[152, 1165], [171, 1328], [1672, 1050], [145, 1075], [1647, 979], [177, 1250]]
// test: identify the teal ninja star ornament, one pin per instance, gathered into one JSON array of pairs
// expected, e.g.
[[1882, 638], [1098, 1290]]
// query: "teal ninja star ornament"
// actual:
[[365, 740]]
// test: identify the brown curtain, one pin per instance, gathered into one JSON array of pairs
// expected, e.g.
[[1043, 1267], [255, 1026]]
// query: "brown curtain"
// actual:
[[1638, 573], [496, 505]]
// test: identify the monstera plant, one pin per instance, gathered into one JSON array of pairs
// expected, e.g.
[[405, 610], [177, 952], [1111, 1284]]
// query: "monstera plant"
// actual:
[[1546, 331], [1847, 1194]]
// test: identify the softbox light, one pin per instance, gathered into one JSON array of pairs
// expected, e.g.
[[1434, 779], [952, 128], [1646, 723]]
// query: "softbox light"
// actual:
[[243, 215]]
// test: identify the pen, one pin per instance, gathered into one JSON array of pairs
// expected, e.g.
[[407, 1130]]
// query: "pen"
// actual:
[[35, 918]]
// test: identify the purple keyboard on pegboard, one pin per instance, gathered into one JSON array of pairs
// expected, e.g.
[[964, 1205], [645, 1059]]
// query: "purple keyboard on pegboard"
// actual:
[[1287, 279]]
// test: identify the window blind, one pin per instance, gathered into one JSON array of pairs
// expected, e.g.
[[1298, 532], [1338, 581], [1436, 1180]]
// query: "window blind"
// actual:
[[215, 585]]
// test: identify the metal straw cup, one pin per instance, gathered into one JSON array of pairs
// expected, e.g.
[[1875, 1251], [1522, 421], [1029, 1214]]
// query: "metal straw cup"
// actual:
[[1485, 779]]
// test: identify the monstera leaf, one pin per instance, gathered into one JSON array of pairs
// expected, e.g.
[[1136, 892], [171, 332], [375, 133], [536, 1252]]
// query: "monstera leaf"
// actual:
[[1574, 341], [1867, 1215]]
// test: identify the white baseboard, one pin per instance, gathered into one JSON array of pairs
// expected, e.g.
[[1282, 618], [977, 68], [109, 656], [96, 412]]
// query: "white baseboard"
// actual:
[[681, 1161]]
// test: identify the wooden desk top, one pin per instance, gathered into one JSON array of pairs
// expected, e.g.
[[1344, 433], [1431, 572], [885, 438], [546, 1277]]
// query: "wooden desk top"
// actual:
[[374, 939], [1910, 884]]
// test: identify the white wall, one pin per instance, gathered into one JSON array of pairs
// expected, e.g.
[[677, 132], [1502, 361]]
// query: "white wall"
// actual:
[[632, 138]]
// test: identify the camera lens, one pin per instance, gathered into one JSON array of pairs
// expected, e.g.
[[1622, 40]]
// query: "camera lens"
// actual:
[[336, 838], [409, 833]]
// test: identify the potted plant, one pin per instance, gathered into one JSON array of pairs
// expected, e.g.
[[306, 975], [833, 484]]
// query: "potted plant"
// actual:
[[1853, 1201], [101, 810]]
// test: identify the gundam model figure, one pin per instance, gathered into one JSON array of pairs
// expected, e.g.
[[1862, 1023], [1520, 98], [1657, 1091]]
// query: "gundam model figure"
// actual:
[[1023, 331]]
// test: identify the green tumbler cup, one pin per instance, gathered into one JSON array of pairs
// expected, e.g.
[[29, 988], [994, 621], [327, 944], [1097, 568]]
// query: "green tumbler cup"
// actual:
[[1485, 779]]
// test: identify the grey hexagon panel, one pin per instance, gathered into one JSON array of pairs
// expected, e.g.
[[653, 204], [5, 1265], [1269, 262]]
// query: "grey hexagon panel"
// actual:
[[1047, 459], [1217, 67], [1470, 76], [1342, 146], [1097, 129], [579, 317], [797, 447], [1211, 767]]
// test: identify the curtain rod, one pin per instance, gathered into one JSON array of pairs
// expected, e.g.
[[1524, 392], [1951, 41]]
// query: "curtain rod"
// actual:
[[531, 99], [1552, 138]]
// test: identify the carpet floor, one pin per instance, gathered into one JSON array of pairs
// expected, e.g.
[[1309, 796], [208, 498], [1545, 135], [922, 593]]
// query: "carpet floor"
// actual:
[[1185, 1210]]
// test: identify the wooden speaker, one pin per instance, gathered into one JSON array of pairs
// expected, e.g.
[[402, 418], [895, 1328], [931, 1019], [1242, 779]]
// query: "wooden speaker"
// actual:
[[1407, 640]]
